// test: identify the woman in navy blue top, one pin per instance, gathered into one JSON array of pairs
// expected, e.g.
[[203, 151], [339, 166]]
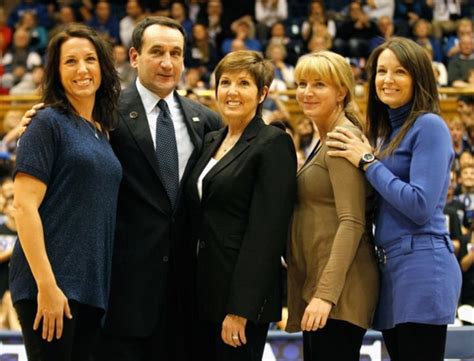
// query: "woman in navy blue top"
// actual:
[[66, 185], [420, 277]]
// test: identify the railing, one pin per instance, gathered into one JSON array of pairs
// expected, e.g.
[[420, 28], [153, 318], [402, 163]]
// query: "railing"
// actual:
[[287, 98]]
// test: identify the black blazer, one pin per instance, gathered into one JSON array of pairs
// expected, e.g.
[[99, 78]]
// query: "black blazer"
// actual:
[[146, 236], [242, 223]]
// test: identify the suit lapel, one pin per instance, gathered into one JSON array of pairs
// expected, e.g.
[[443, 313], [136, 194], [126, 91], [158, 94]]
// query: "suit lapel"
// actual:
[[134, 116], [243, 143]]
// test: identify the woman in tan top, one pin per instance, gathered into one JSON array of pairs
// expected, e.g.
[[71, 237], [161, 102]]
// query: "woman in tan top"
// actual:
[[332, 273]]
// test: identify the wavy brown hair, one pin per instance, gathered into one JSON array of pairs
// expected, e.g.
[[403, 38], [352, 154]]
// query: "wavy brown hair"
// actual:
[[109, 89], [425, 93]]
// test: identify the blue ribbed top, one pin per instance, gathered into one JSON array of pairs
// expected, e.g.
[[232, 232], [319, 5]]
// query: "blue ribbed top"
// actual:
[[412, 182]]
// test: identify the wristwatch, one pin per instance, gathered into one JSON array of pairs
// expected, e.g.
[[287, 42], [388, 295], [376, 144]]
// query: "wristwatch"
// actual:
[[366, 158]]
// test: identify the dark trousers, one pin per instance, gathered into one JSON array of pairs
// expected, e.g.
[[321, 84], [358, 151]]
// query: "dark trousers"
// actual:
[[79, 336], [155, 347], [337, 341], [160, 345], [210, 346], [415, 342]]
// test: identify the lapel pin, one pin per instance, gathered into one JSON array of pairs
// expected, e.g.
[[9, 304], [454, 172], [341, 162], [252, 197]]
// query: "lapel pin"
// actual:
[[133, 115], [196, 119]]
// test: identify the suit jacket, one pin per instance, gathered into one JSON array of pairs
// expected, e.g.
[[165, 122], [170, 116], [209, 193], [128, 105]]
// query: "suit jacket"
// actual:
[[242, 223], [147, 239], [331, 254]]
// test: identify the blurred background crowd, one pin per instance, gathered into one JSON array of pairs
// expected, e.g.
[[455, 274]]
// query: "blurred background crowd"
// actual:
[[283, 30]]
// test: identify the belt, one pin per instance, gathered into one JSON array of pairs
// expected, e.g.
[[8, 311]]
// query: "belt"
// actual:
[[410, 243]]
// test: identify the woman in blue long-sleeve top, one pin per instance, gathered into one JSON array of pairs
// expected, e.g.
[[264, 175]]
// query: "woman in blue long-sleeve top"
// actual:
[[420, 278]]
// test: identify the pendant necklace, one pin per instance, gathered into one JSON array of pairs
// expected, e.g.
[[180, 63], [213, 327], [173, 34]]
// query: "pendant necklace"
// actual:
[[89, 125], [226, 148]]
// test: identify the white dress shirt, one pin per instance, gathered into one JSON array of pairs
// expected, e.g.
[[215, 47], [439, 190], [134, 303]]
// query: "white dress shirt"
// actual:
[[183, 140], [207, 169]]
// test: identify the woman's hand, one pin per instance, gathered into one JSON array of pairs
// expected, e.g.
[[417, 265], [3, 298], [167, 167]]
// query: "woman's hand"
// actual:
[[233, 330], [350, 146], [52, 307], [315, 315]]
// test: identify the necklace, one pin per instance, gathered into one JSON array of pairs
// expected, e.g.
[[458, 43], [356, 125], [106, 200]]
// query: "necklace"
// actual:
[[227, 145], [335, 121], [90, 125], [333, 124]]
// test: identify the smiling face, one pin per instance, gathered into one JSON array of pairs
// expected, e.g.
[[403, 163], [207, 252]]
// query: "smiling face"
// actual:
[[161, 60], [319, 99], [80, 70], [466, 45], [467, 177], [237, 97], [456, 133], [393, 83]]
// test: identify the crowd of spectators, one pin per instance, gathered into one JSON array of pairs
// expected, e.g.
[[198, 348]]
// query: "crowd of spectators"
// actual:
[[8, 317], [351, 28], [283, 31]]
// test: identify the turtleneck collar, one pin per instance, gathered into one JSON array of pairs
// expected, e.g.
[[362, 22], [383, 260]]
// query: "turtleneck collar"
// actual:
[[397, 116]]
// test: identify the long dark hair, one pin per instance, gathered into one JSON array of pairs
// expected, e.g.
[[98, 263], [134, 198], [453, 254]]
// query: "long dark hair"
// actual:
[[109, 90], [425, 93]]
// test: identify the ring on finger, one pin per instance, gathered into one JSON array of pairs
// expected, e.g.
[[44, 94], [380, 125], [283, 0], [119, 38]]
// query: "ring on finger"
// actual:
[[235, 337]]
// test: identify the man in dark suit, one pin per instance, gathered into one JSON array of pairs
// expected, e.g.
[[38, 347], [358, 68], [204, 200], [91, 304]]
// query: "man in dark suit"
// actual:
[[150, 259]]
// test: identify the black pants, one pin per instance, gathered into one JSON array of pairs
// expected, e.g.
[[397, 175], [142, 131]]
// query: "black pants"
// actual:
[[337, 341], [212, 348], [79, 336], [416, 342], [155, 347], [160, 345]]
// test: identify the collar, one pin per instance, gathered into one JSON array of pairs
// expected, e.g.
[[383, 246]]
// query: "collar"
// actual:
[[150, 99], [398, 116], [466, 57]]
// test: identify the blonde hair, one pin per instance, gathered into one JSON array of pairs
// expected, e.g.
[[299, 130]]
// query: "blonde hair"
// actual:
[[456, 123], [272, 46], [333, 69], [465, 160]]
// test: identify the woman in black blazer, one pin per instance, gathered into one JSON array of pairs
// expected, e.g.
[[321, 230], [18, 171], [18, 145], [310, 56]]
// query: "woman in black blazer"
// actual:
[[242, 192]]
